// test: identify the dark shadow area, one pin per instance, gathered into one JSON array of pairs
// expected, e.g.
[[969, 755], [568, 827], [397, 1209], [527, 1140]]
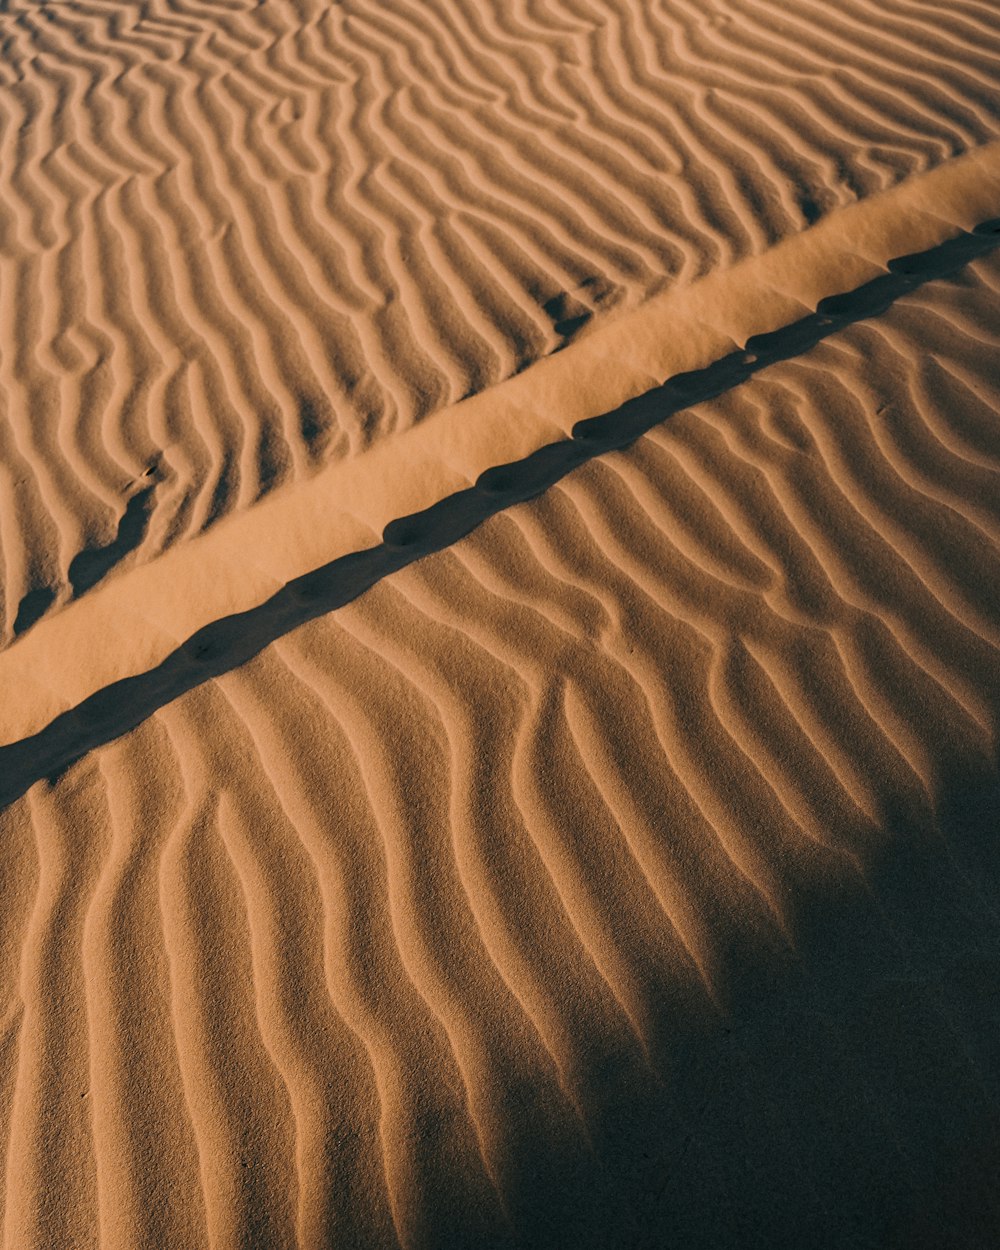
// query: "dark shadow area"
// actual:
[[847, 1098], [87, 569], [231, 641], [568, 315], [311, 425], [810, 209], [840, 1093], [33, 607]]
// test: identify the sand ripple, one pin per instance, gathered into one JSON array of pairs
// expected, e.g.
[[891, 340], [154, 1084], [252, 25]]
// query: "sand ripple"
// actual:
[[237, 240], [545, 895]]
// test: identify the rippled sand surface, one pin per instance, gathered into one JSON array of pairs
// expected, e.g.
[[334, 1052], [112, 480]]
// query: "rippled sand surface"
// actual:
[[564, 812], [239, 240]]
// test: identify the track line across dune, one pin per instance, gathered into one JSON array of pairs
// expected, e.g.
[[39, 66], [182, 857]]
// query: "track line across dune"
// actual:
[[115, 708], [239, 242], [134, 621], [623, 875]]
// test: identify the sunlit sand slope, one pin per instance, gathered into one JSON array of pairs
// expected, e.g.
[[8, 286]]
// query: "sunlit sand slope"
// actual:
[[239, 239], [480, 454], [623, 876]]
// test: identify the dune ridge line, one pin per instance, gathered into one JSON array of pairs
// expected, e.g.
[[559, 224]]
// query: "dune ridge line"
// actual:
[[131, 623], [228, 643], [239, 241], [628, 867]]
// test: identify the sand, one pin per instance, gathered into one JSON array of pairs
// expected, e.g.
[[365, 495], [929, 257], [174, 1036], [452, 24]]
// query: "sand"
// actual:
[[500, 529], [240, 241], [135, 620]]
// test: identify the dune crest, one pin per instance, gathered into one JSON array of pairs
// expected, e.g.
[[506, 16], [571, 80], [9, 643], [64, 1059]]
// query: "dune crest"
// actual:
[[239, 241], [499, 624], [130, 623], [534, 895]]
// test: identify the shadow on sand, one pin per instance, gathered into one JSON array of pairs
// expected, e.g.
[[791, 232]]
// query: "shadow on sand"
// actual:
[[231, 641], [845, 1095]]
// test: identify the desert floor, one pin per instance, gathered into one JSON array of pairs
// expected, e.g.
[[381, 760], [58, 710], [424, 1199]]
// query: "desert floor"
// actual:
[[499, 624]]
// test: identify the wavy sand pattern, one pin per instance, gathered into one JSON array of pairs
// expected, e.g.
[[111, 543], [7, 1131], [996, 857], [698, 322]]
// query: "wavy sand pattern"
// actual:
[[238, 239], [277, 564], [623, 875]]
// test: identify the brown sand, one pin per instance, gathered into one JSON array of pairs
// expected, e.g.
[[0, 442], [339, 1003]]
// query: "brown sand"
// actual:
[[131, 622], [240, 240], [622, 875]]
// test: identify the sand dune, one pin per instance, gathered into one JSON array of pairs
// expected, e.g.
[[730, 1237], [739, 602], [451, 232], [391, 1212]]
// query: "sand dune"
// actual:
[[619, 873], [623, 875], [241, 240], [277, 563]]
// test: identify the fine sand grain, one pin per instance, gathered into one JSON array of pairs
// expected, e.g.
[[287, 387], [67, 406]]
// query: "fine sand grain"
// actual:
[[847, 267], [613, 863], [624, 875], [240, 240]]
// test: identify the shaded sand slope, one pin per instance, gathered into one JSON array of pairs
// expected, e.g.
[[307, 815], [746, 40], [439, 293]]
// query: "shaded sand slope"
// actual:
[[239, 239], [624, 875]]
